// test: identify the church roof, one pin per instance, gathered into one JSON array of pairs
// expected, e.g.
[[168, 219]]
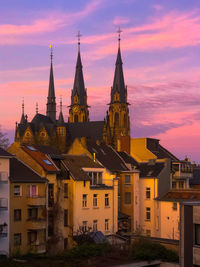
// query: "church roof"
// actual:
[[92, 130]]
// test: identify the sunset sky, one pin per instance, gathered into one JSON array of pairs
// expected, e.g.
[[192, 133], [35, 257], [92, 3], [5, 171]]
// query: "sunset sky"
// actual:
[[160, 46]]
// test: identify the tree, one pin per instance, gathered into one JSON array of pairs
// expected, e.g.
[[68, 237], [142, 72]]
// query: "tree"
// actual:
[[4, 141]]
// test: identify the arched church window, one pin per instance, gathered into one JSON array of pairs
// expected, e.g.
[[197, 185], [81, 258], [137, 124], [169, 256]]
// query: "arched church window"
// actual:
[[116, 119], [75, 118]]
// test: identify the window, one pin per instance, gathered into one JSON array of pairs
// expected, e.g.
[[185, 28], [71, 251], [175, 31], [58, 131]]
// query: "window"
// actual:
[[181, 184], [174, 206], [17, 190], [148, 193], [32, 237], [107, 204], [173, 184], [84, 201], [17, 215], [197, 234], [96, 178], [127, 179], [17, 239], [32, 213], [32, 191], [47, 161], [127, 198], [106, 225], [50, 195], [65, 190], [84, 227], [95, 200], [65, 217], [95, 226], [148, 214], [31, 148]]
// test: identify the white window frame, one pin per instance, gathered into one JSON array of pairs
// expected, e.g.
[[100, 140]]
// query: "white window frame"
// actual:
[[107, 200], [84, 201], [20, 191], [107, 226], [95, 200]]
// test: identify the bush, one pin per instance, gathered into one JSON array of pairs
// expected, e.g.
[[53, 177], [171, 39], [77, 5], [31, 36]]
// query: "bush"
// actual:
[[88, 250], [143, 249]]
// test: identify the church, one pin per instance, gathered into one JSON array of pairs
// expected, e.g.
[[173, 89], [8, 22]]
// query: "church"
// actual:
[[60, 132]]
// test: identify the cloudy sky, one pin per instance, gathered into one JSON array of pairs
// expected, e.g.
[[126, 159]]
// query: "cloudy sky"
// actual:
[[160, 46]]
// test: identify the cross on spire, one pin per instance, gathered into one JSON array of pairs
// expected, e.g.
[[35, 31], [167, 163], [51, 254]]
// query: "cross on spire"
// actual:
[[51, 55], [79, 40], [119, 34]]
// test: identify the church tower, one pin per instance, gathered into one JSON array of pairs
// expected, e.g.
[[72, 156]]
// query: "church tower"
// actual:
[[118, 116], [51, 99], [78, 111]]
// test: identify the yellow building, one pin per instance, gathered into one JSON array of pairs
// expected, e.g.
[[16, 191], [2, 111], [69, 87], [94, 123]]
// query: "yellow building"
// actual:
[[59, 236], [28, 209]]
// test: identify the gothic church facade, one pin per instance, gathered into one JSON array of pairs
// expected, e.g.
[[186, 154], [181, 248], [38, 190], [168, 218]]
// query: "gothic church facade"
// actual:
[[49, 131]]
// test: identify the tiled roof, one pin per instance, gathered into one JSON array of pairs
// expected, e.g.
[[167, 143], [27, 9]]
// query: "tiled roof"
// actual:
[[107, 156], [19, 172], [159, 151], [76, 163], [182, 195], [128, 159], [40, 158], [4, 153], [150, 170]]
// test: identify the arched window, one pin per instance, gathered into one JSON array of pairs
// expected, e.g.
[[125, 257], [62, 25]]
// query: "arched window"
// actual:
[[116, 119], [75, 118], [125, 120]]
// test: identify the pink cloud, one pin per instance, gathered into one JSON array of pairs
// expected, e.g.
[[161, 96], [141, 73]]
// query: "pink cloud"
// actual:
[[158, 7], [120, 20]]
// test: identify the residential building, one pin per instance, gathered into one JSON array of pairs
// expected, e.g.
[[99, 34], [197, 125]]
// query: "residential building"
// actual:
[[4, 202]]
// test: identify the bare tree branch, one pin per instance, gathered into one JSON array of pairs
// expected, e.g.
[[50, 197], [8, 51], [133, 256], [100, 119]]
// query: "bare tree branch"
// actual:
[[4, 141]]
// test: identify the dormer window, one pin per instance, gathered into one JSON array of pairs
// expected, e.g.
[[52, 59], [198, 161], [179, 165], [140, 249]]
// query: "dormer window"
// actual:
[[96, 178]]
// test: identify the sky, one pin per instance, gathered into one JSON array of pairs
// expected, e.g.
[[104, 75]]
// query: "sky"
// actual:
[[160, 46]]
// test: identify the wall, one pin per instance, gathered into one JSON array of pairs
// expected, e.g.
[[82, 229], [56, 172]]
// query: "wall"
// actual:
[[4, 213]]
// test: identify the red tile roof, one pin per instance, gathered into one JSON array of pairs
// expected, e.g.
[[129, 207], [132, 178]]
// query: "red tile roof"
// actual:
[[40, 158], [182, 195]]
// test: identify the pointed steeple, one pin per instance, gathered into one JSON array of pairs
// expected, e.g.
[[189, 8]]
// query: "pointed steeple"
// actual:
[[23, 117], [61, 119], [51, 100], [79, 86], [118, 83]]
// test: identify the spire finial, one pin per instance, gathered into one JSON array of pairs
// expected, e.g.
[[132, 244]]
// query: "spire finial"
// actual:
[[36, 107], [79, 40], [119, 34], [61, 103], [23, 105], [51, 55]]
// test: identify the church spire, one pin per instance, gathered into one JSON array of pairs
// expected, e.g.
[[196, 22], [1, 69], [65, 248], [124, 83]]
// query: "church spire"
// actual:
[[79, 86], [23, 118], [61, 119], [51, 100], [118, 90]]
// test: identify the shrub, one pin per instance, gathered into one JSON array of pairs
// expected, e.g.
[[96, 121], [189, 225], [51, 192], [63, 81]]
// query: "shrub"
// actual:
[[144, 249]]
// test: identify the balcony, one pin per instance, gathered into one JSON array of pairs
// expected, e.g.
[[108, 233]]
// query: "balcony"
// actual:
[[3, 230], [37, 247], [3, 177], [3, 203], [36, 201], [36, 224]]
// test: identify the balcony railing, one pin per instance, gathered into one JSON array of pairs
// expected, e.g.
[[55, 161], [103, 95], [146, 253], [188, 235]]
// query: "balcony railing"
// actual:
[[36, 201], [3, 177], [37, 247], [3, 230], [3, 203], [36, 224]]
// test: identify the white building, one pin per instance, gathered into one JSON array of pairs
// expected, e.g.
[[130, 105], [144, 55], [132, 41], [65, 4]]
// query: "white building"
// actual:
[[4, 201]]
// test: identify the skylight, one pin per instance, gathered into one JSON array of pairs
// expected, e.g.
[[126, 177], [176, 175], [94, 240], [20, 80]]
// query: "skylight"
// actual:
[[31, 148], [47, 161]]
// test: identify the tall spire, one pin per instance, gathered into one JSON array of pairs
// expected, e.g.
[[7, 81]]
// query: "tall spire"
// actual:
[[51, 100], [23, 119], [118, 83], [36, 107], [79, 86], [61, 119]]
